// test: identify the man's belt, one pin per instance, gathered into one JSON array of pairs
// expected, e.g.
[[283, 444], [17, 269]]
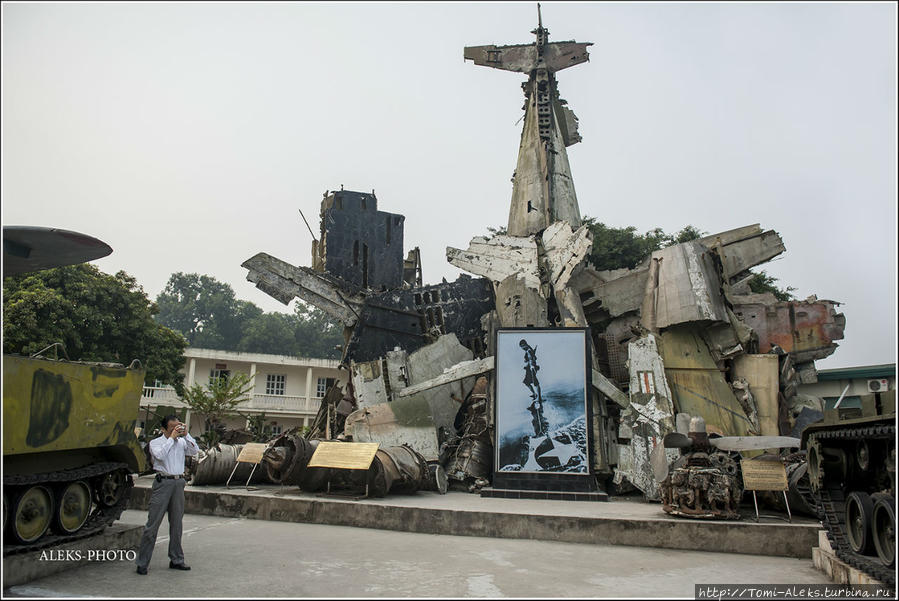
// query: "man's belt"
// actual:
[[161, 477]]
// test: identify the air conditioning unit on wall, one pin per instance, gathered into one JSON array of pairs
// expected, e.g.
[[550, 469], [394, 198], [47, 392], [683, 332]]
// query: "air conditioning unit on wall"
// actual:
[[879, 385]]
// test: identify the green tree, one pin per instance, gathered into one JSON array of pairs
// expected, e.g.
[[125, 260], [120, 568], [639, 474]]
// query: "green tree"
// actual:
[[256, 426], [762, 282], [614, 247], [317, 334], [216, 401], [204, 310], [273, 333], [96, 316]]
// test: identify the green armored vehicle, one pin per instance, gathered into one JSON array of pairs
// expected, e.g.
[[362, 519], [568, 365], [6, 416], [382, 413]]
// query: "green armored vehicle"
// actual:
[[69, 447], [852, 473]]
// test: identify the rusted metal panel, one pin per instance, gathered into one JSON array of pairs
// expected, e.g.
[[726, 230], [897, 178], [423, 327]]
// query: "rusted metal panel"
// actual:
[[542, 187], [565, 251], [648, 418], [517, 305], [571, 311], [731, 236], [285, 282], [360, 244], [522, 58], [698, 387], [460, 371], [405, 421], [430, 362], [615, 297], [738, 257], [728, 340], [609, 294], [688, 286], [388, 413], [805, 329], [608, 388], [410, 319], [762, 374], [513, 57], [499, 257]]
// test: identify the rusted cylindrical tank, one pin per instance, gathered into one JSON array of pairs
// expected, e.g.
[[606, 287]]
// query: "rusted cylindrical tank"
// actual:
[[286, 462], [214, 466]]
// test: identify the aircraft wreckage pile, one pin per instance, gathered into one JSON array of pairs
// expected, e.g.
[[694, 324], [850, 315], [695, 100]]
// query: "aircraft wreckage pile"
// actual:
[[680, 334]]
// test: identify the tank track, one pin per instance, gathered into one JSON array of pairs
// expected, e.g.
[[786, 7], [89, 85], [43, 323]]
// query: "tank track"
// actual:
[[99, 519], [832, 507]]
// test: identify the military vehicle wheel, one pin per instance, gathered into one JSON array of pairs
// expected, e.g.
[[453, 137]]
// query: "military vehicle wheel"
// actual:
[[884, 526], [863, 455], [73, 507], [859, 517], [32, 512], [111, 488]]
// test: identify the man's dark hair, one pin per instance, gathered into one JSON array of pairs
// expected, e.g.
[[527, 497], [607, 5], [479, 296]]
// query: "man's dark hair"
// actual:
[[167, 419]]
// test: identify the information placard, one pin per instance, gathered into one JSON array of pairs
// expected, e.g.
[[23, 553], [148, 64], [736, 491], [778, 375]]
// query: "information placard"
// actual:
[[252, 452], [344, 455], [763, 475]]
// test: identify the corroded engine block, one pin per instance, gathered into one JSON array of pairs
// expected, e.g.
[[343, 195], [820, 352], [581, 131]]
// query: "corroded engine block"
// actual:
[[703, 485]]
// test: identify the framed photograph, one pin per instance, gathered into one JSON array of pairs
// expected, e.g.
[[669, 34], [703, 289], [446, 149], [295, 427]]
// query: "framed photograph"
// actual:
[[542, 401]]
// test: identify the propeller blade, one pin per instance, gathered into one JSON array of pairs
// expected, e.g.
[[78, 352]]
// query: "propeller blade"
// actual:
[[659, 462], [676, 440], [753, 443]]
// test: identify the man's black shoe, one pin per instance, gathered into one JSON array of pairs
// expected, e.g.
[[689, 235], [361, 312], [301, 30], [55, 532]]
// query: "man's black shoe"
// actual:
[[178, 566], [141, 571]]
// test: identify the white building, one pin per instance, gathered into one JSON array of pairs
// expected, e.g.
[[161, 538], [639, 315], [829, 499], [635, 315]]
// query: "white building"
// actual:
[[855, 382], [288, 390]]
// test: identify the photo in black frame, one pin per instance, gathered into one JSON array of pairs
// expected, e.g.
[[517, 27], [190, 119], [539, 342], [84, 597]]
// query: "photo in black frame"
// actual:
[[543, 407]]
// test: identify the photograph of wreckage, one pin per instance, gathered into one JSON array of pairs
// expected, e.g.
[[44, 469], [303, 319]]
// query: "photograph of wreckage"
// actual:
[[690, 372]]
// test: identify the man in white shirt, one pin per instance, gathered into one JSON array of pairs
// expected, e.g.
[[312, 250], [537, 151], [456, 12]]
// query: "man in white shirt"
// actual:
[[168, 453]]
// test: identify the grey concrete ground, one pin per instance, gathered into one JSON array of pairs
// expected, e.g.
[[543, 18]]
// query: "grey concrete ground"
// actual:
[[233, 557]]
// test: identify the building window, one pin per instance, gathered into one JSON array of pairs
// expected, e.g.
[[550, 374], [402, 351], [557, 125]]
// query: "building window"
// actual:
[[215, 374], [276, 430], [274, 384], [323, 385]]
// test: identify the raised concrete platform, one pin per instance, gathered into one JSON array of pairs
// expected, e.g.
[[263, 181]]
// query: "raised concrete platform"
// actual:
[[836, 569], [109, 545], [618, 522]]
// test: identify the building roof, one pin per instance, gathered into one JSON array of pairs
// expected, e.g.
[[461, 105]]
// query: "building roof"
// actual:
[[203, 353], [887, 370]]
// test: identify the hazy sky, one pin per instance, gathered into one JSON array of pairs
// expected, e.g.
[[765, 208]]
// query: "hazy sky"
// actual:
[[187, 136]]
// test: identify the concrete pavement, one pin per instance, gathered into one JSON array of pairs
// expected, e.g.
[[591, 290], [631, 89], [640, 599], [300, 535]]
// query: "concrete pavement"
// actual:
[[236, 557], [618, 522]]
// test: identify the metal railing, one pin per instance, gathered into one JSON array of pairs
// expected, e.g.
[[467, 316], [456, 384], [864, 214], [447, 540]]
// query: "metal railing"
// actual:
[[160, 395], [260, 402], [279, 402]]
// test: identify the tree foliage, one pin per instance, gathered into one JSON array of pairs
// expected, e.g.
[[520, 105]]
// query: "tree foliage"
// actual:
[[96, 316], [218, 400], [762, 282], [204, 310], [614, 247], [209, 315]]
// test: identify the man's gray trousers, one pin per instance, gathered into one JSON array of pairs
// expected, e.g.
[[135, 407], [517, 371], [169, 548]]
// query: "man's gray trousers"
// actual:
[[167, 496]]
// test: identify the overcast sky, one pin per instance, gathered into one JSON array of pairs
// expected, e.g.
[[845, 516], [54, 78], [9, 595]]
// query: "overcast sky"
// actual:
[[187, 136]]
